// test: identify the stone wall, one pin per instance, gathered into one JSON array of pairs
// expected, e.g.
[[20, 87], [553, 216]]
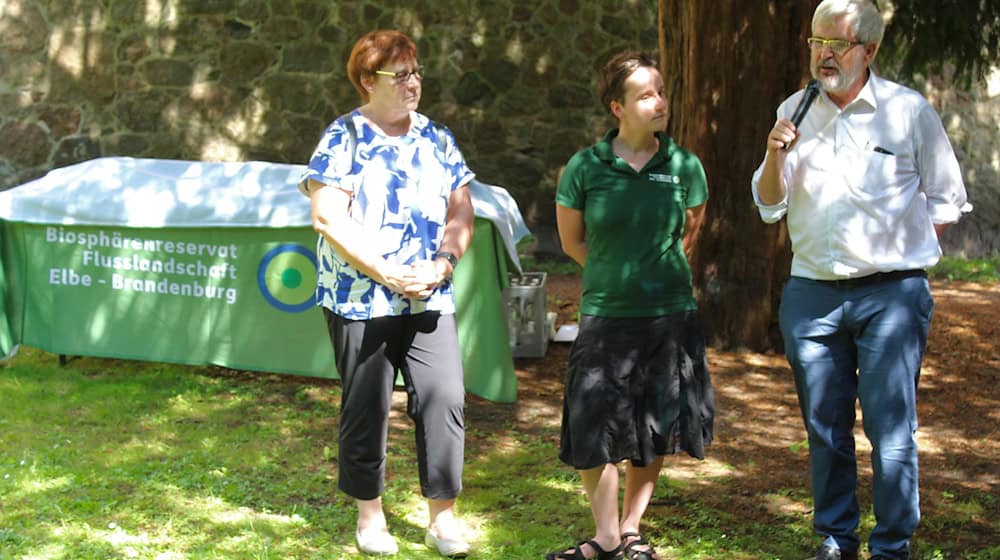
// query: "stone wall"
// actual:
[[235, 80], [239, 80]]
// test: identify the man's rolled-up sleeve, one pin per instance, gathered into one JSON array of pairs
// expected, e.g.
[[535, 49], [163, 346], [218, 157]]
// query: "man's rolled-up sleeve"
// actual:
[[769, 213], [940, 175]]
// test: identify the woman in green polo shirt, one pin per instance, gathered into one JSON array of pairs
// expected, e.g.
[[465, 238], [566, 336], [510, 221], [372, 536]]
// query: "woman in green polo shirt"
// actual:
[[637, 386]]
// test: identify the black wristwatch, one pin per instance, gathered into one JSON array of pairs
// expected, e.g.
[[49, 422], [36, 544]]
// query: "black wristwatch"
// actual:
[[452, 259]]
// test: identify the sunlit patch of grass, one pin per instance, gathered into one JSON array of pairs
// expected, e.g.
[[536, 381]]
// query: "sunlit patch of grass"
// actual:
[[38, 485], [970, 270], [789, 504]]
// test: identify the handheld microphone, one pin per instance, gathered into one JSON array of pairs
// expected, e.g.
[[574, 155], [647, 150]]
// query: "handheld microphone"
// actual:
[[810, 94]]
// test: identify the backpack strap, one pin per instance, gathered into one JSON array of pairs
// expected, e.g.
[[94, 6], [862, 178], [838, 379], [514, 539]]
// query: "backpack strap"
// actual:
[[352, 140], [442, 138], [352, 135], [352, 145]]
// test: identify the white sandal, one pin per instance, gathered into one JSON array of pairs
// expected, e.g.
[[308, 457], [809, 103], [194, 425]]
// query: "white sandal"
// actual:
[[452, 548], [375, 542]]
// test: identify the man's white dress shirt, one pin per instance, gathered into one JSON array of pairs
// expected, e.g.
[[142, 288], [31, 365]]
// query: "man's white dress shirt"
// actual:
[[866, 184]]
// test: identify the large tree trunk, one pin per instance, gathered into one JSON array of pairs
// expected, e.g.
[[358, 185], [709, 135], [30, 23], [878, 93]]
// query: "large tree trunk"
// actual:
[[727, 65]]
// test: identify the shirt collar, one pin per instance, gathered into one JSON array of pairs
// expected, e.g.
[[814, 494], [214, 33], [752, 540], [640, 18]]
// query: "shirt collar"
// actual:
[[867, 95], [603, 149], [418, 122], [606, 153]]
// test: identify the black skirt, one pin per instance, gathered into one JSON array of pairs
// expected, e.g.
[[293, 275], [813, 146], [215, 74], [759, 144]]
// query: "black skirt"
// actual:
[[636, 388]]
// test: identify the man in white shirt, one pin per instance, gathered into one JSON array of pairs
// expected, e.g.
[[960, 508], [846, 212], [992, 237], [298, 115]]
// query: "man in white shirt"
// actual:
[[868, 181]]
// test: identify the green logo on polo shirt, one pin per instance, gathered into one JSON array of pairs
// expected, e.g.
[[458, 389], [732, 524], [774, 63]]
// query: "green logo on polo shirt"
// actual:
[[664, 178]]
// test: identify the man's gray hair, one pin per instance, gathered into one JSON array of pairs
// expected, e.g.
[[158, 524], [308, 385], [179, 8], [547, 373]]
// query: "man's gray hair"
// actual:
[[862, 15]]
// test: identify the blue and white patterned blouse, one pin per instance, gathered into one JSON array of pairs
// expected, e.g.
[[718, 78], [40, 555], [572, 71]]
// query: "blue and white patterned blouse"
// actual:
[[400, 188]]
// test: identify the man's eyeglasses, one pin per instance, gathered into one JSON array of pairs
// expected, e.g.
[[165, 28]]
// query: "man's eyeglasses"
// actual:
[[838, 46], [403, 76]]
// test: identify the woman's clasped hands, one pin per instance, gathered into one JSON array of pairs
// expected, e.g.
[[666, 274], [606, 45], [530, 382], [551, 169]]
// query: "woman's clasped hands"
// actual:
[[417, 280]]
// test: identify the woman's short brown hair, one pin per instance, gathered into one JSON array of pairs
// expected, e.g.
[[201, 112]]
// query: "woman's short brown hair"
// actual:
[[375, 50], [611, 85]]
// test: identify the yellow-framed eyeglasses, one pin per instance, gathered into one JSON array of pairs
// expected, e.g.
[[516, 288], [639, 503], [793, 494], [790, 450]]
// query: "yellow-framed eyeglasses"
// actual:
[[403, 76], [838, 46]]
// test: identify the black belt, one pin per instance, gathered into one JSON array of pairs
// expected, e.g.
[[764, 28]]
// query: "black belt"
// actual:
[[876, 278]]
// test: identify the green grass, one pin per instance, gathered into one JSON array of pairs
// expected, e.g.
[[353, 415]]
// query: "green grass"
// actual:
[[114, 459], [550, 266], [971, 270], [560, 264]]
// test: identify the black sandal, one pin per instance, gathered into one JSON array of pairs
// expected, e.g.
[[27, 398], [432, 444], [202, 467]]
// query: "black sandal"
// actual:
[[576, 553], [638, 540]]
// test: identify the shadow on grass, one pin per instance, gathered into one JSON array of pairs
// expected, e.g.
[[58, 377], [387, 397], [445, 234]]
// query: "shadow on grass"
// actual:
[[108, 458]]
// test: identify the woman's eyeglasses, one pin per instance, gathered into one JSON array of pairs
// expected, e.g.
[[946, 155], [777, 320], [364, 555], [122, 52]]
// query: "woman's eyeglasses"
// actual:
[[403, 76]]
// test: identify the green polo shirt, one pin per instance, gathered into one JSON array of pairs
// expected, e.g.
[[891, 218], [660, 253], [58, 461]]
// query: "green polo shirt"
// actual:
[[634, 223]]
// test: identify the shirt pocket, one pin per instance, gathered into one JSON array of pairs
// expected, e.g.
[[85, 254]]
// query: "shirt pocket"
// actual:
[[887, 173]]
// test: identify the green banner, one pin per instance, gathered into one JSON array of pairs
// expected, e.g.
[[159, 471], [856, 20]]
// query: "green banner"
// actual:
[[236, 297]]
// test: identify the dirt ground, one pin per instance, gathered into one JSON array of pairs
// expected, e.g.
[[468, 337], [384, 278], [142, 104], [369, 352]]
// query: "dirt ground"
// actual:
[[758, 429]]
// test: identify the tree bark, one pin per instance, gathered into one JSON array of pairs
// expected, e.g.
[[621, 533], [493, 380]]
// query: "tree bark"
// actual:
[[727, 65]]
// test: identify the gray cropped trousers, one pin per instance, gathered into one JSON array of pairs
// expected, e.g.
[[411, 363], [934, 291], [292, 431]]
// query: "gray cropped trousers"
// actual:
[[424, 348]]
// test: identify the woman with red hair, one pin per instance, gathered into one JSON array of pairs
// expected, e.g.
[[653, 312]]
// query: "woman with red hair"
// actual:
[[390, 204]]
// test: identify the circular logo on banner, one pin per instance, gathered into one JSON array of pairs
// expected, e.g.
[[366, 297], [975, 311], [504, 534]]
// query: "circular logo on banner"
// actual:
[[287, 277]]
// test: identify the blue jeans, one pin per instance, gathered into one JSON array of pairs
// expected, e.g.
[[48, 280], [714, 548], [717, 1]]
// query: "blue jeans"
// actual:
[[861, 343]]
